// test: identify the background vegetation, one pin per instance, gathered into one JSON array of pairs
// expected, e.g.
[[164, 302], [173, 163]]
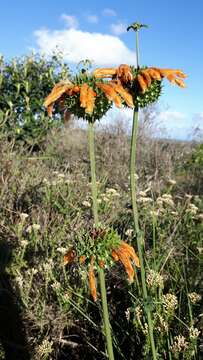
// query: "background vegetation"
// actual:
[[45, 308]]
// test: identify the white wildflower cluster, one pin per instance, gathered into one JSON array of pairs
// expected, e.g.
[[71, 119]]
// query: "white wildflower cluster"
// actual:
[[48, 266], [154, 213], [143, 198], [23, 217], [170, 301], [127, 314], [112, 192], [179, 345], [19, 280], [86, 204], [24, 243], [194, 333], [200, 216], [62, 250], [162, 325], [192, 209], [45, 349], [58, 178], [129, 232], [165, 199], [154, 279], [108, 196], [138, 313], [33, 228], [194, 297], [56, 285]]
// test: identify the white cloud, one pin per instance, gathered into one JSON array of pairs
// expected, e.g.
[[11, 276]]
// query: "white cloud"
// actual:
[[76, 45], [118, 29], [93, 19], [70, 20], [109, 12]]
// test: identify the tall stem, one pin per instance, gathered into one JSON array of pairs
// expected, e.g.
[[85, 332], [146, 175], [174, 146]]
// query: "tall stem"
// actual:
[[139, 235], [96, 221]]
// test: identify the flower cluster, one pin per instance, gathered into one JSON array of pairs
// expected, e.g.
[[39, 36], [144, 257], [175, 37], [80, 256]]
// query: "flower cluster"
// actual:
[[143, 84], [89, 96], [100, 248]]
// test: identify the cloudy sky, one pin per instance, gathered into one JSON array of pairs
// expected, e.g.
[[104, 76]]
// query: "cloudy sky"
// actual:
[[97, 30]]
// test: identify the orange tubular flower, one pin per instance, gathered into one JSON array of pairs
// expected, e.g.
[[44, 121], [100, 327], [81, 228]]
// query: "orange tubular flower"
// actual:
[[146, 76], [90, 100], [83, 95], [142, 83], [110, 94], [92, 281], [69, 257], [56, 93], [103, 73], [124, 93], [124, 253], [124, 73]]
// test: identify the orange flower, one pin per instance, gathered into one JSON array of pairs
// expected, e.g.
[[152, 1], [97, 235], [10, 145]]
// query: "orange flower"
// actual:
[[124, 93], [102, 73], [92, 281], [142, 82], [82, 259], [90, 100], [83, 95], [56, 93], [145, 77], [110, 94], [124, 73], [69, 257], [125, 253]]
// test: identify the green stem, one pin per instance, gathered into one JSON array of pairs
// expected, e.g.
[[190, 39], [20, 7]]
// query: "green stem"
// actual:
[[96, 221], [137, 50], [139, 235]]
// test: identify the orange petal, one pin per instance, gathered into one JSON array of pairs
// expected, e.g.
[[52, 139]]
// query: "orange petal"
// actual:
[[124, 258], [69, 256], [180, 83], [146, 77], [83, 95], [82, 259], [92, 282], [58, 90], [110, 94], [180, 74], [114, 255], [50, 109], [90, 101], [131, 253], [142, 82], [104, 73], [124, 73], [124, 93], [171, 77], [154, 73]]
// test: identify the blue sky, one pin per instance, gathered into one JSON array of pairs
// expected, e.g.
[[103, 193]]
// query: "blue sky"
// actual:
[[174, 39]]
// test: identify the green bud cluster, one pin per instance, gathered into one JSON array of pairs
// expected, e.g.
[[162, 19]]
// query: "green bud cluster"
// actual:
[[150, 96], [102, 104]]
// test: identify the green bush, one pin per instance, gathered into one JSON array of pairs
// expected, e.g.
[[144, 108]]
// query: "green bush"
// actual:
[[24, 84]]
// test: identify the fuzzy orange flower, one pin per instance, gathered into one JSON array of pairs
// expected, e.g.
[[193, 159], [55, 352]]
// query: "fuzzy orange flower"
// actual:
[[125, 253], [92, 280]]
